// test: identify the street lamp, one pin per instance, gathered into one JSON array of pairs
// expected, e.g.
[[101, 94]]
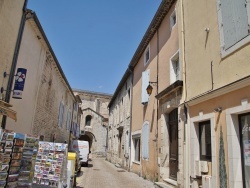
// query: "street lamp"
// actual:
[[150, 88]]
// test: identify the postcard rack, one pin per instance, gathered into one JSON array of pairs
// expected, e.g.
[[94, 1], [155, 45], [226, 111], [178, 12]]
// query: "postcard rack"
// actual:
[[17, 157], [49, 165]]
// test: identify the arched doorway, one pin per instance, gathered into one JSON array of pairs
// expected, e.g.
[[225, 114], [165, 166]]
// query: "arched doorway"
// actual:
[[88, 136]]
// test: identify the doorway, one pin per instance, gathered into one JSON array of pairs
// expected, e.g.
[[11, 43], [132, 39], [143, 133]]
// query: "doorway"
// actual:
[[173, 143]]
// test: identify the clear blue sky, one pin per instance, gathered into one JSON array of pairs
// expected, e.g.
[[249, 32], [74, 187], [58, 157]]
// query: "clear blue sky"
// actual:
[[94, 41]]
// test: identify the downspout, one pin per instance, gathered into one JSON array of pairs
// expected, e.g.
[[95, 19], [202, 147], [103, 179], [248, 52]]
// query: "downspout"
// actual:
[[130, 127], [14, 60], [157, 102], [186, 109]]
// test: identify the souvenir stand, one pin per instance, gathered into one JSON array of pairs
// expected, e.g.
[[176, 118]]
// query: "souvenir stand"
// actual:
[[17, 158], [50, 165]]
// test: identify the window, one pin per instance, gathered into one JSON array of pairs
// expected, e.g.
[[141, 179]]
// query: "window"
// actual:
[[41, 138], [173, 19], [137, 144], [147, 55], [233, 23], [244, 122], [88, 120], [175, 68], [98, 104], [205, 141]]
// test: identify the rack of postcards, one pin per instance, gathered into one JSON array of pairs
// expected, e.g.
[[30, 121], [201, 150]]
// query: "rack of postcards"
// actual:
[[50, 163], [17, 158]]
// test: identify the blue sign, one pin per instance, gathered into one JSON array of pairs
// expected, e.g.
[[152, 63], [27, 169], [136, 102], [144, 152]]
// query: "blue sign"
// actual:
[[19, 83]]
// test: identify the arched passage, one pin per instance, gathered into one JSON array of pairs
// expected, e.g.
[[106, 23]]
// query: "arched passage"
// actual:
[[88, 136]]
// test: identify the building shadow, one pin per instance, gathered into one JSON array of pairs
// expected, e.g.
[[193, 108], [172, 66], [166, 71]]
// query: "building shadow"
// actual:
[[90, 166]]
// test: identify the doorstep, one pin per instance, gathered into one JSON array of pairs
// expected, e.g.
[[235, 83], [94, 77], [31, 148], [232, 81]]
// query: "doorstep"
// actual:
[[162, 185]]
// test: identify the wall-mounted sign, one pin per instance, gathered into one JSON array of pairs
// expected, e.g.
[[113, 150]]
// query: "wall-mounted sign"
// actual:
[[19, 83]]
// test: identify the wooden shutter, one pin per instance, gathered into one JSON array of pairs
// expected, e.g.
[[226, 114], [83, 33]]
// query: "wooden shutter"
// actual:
[[145, 135], [60, 114], [234, 21], [68, 120], [145, 82]]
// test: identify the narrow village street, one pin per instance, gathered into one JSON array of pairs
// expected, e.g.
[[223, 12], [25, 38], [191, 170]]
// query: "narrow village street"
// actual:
[[103, 174]]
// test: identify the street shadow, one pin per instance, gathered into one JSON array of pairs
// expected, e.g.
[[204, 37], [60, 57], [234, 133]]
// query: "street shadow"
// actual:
[[79, 187], [90, 166], [79, 174]]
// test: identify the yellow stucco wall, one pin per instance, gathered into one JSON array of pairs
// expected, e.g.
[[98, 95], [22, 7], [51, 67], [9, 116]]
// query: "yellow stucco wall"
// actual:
[[10, 18], [203, 48]]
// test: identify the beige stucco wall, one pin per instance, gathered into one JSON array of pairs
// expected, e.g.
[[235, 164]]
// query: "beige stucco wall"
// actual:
[[227, 101], [168, 46], [10, 18], [31, 57]]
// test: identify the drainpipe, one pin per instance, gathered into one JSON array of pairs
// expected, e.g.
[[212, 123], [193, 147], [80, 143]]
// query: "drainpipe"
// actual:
[[186, 134], [157, 102], [14, 60]]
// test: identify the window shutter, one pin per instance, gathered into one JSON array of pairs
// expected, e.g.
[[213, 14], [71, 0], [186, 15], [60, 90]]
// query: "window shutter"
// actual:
[[234, 21], [60, 114], [145, 134], [145, 82], [68, 120]]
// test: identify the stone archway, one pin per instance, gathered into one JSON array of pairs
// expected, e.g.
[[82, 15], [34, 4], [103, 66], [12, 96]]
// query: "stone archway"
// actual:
[[88, 136]]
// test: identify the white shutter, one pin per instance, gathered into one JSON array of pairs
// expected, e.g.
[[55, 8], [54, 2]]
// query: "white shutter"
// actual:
[[145, 135], [234, 21], [145, 82]]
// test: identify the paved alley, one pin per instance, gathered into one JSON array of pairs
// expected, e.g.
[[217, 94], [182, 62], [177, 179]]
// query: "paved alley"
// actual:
[[103, 174]]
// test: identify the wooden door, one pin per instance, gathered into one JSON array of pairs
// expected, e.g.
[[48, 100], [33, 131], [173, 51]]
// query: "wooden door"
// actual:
[[173, 134]]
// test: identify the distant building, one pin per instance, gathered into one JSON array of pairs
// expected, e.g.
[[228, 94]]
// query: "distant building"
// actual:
[[94, 120], [120, 122]]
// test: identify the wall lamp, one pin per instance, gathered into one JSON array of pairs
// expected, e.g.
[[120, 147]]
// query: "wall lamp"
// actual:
[[219, 109], [150, 88]]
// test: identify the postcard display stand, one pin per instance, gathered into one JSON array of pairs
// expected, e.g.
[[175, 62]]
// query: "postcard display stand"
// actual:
[[17, 158], [50, 163]]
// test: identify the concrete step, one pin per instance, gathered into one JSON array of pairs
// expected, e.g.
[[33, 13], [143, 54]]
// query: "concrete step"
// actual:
[[162, 185]]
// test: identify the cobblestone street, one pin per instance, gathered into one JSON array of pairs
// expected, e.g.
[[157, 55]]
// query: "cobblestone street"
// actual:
[[103, 174]]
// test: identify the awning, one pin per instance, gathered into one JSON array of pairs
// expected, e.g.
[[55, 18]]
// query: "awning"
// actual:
[[6, 111]]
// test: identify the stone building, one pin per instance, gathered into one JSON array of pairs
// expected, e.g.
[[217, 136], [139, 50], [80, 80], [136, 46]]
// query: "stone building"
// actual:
[[94, 120], [47, 101], [120, 122]]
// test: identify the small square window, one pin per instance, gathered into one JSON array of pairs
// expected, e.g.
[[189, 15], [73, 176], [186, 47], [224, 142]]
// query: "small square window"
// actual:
[[205, 141], [173, 19], [146, 55], [175, 72]]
